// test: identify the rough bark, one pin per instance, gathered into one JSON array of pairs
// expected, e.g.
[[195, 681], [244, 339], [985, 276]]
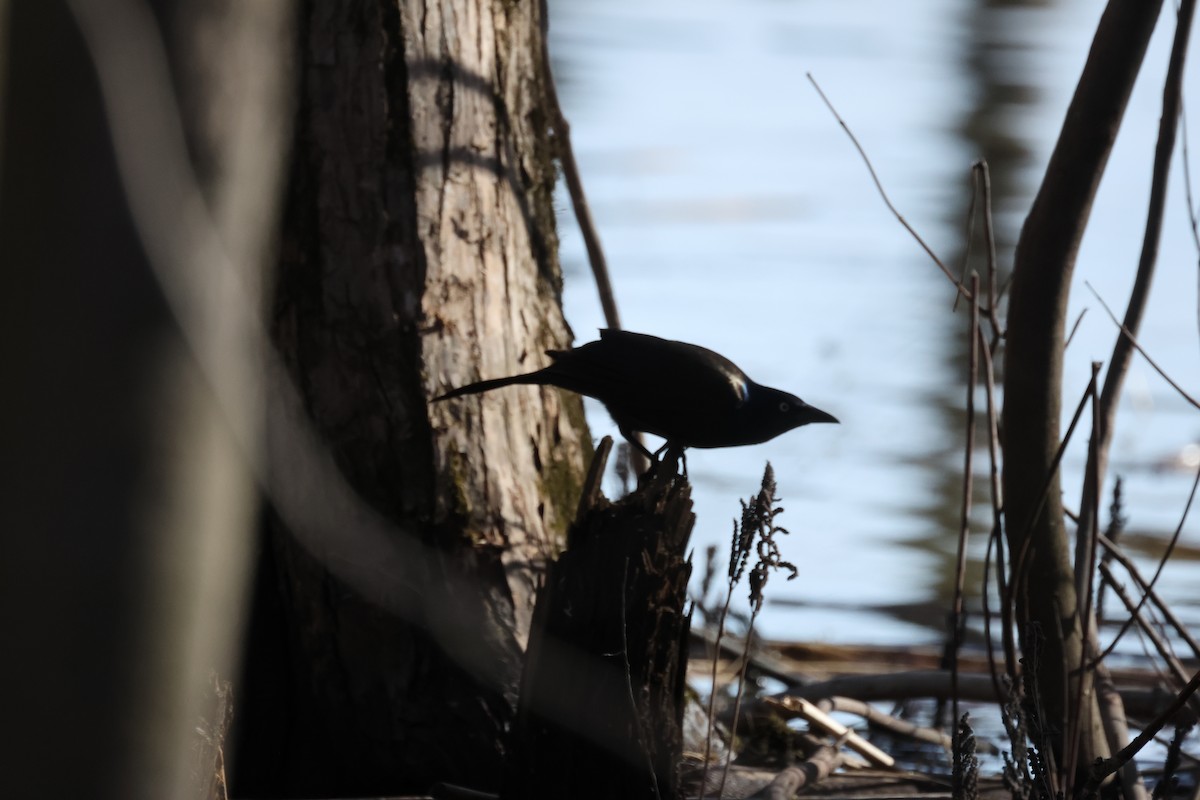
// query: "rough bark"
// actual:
[[1046, 601], [601, 707], [419, 253]]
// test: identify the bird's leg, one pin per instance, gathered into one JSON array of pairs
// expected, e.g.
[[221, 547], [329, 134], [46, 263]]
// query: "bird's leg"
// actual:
[[633, 440], [635, 463]]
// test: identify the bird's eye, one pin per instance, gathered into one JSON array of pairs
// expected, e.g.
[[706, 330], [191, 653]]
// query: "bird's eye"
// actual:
[[785, 407]]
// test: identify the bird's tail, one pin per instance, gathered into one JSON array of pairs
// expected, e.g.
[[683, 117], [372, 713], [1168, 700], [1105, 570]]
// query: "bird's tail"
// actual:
[[494, 383]]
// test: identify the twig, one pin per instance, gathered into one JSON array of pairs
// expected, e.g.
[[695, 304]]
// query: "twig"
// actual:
[[964, 529], [1162, 562], [583, 211], [1117, 554], [1085, 568], [798, 706], [566, 154], [968, 239], [1002, 586], [1108, 766], [1187, 174], [1111, 706], [989, 237], [1116, 524], [1160, 644], [1133, 341], [712, 693], [1074, 328], [883, 193], [1020, 565], [737, 703]]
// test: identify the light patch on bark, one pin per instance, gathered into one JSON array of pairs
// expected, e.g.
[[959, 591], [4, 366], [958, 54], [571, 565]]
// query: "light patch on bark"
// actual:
[[486, 307]]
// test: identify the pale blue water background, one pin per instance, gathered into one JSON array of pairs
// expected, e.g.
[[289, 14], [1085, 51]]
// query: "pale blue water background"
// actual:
[[736, 214]]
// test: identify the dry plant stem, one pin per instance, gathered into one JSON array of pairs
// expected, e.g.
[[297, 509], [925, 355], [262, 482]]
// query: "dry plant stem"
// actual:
[[883, 193], [1085, 568], [989, 237], [1148, 588], [1108, 766], [1162, 562], [583, 214], [1187, 175], [583, 211], [964, 529], [962, 275], [1074, 328], [737, 703], [1122, 353], [1002, 587], [1021, 565], [993, 541], [1133, 341], [1116, 724], [712, 694], [1151, 633]]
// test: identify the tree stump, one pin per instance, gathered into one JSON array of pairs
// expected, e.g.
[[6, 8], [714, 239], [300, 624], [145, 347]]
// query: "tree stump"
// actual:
[[601, 705]]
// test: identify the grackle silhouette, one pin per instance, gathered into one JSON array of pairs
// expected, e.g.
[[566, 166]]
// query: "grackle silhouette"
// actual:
[[690, 396]]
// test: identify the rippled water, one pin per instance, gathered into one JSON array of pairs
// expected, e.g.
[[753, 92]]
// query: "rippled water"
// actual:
[[735, 214]]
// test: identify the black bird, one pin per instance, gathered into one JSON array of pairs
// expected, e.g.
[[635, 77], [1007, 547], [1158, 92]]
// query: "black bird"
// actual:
[[690, 396]]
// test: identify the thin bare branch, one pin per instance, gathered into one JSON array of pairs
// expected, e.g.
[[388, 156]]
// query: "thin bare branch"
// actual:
[[1133, 340], [583, 213], [968, 239], [1162, 562], [883, 193], [1022, 562], [1108, 766], [1174, 665], [964, 528], [1074, 328], [1118, 555], [1085, 568], [989, 237]]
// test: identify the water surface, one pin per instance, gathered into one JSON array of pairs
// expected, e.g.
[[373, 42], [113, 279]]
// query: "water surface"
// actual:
[[736, 214]]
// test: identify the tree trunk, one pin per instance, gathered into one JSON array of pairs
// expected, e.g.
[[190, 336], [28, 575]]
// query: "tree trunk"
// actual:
[[419, 253], [1047, 606]]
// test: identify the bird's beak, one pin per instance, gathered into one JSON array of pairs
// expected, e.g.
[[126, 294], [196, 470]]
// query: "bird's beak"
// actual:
[[811, 414]]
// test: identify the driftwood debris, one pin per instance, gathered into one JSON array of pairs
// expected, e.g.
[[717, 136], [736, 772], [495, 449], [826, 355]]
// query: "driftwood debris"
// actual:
[[600, 710]]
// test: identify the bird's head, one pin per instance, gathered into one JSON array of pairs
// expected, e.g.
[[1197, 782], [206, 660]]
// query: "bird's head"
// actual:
[[776, 412]]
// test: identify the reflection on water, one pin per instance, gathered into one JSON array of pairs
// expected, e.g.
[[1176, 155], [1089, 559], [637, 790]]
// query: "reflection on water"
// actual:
[[735, 214]]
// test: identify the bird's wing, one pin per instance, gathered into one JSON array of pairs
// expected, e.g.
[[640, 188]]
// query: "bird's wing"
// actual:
[[625, 369]]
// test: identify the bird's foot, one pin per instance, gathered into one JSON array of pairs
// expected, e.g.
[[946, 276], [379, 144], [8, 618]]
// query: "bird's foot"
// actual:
[[671, 455]]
